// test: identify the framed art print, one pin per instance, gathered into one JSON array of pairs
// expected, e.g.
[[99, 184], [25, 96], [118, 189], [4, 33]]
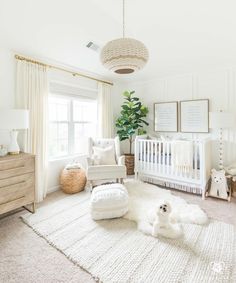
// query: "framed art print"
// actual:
[[194, 116], [166, 116]]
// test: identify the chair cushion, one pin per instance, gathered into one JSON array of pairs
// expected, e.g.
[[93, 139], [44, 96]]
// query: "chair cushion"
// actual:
[[104, 156], [109, 201], [102, 172]]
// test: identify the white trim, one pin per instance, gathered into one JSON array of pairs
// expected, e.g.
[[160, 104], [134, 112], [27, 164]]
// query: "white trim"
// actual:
[[53, 189], [73, 156], [58, 82]]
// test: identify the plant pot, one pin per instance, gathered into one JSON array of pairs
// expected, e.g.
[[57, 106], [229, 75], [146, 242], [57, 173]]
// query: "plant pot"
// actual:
[[129, 163]]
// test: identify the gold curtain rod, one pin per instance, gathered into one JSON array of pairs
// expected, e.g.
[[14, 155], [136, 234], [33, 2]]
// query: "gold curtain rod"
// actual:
[[61, 69]]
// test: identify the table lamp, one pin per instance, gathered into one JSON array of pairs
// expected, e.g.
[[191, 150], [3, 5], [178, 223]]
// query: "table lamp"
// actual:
[[13, 120], [221, 120]]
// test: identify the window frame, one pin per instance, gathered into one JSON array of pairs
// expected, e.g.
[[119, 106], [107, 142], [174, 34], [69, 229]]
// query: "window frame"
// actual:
[[71, 123]]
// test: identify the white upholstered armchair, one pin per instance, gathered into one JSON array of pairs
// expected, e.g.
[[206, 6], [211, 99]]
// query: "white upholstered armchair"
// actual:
[[105, 161]]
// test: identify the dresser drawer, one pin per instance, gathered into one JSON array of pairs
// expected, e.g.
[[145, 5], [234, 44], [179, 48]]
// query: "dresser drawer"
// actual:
[[15, 188], [16, 203], [16, 167]]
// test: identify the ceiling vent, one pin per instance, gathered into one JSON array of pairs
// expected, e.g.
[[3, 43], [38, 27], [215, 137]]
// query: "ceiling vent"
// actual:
[[93, 46]]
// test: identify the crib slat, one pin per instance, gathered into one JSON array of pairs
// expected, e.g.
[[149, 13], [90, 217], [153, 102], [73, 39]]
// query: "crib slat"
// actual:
[[145, 154], [159, 156], [196, 147], [155, 158], [163, 157], [167, 158], [152, 144], [140, 154]]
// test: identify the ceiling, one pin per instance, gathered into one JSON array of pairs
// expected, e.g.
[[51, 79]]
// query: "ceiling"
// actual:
[[182, 36]]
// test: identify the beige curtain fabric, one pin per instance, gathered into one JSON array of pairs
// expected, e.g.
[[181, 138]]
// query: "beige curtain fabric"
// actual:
[[105, 113], [32, 94]]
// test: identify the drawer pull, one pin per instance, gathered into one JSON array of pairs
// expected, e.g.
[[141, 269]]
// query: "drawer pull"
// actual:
[[12, 200]]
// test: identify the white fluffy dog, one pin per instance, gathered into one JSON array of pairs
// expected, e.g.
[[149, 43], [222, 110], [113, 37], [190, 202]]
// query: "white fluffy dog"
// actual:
[[163, 225]]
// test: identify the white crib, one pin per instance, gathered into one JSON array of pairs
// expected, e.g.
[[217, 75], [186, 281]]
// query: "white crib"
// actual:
[[153, 164]]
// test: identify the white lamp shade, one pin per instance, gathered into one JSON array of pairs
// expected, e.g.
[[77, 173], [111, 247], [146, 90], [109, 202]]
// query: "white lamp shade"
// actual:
[[222, 120], [14, 119]]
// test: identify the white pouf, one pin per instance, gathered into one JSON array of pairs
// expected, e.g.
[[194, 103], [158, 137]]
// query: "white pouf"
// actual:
[[109, 201]]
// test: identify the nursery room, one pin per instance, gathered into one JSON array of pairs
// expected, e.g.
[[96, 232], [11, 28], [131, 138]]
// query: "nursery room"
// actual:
[[117, 141]]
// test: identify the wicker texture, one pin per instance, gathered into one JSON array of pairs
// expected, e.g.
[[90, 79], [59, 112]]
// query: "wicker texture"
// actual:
[[124, 53], [129, 163], [233, 187], [73, 180]]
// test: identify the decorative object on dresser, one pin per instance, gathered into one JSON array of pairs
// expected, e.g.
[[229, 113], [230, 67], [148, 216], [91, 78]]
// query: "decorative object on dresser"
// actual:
[[13, 120], [3, 150], [73, 179], [17, 182], [131, 122]]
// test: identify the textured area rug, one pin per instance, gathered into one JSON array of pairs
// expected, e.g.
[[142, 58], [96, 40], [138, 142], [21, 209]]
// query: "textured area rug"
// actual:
[[114, 251]]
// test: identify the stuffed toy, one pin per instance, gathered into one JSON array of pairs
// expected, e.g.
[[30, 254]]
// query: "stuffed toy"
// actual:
[[219, 187]]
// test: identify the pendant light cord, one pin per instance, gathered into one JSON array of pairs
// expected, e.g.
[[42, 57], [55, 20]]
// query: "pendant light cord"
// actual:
[[123, 18]]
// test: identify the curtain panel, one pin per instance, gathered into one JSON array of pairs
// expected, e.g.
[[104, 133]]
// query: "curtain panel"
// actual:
[[105, 113], [32, 94]]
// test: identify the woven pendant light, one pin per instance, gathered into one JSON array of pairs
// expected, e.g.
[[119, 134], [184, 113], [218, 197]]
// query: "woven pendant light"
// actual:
[[124, 55]]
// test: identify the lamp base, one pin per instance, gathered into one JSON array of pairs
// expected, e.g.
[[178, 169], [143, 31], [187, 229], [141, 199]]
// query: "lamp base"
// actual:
[[13, 147]]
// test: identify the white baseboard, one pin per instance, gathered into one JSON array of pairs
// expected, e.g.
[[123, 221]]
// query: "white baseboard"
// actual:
[[53, 189]]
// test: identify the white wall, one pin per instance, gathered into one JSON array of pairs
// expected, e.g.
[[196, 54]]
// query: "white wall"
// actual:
[[7, 86], [219, 86]]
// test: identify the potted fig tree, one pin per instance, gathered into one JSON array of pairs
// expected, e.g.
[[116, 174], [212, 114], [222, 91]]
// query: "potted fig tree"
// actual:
[[130, 123]]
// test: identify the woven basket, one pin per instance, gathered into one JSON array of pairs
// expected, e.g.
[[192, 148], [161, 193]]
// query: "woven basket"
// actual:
[[73, 180], [129, 163], [233, 187]]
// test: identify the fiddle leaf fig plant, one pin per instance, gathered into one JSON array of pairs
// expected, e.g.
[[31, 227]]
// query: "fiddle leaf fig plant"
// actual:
[[132, 118]]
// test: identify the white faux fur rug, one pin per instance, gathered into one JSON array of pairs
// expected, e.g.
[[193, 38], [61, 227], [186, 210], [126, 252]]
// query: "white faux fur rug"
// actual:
[[144, 198], [114, 251]]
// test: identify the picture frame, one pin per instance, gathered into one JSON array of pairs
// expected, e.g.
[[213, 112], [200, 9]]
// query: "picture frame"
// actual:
[[166, 116], [194, 116]]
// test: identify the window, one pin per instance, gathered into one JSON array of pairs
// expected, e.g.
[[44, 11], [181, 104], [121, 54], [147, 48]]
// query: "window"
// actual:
[[72, 120]]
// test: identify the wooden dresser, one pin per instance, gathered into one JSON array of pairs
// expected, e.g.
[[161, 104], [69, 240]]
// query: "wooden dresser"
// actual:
[[17, 181]]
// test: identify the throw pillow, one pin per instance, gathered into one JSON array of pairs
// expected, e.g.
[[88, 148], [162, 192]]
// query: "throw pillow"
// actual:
[[106, 156]]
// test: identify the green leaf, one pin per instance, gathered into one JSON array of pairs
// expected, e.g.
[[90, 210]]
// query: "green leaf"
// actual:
[[126, 94], [132, 117]]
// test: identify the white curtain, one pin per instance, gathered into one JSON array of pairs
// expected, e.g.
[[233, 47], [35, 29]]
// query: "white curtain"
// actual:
[[32, 94], [105, 113]]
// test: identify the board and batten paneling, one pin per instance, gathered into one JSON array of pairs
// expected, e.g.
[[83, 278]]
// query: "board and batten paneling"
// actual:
[[219, 86]]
